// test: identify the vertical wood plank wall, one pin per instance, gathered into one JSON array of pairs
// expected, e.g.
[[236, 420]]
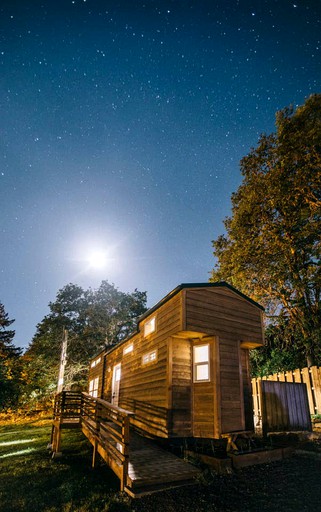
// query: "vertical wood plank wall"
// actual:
[[247, 390], [285, 407], [233, 319], [309, 376], [181, 386]]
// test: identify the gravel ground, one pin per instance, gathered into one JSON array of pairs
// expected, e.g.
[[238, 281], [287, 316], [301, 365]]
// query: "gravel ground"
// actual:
[[290, 485]]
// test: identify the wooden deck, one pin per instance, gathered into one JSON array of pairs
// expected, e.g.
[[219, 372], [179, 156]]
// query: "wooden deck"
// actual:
[[151, 468], [141, 465]]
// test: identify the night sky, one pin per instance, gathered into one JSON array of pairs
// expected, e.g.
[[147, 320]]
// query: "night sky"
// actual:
[[122, 127]]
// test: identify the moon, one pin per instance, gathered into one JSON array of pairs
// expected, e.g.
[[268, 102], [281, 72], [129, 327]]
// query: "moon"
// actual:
[[97, 259]]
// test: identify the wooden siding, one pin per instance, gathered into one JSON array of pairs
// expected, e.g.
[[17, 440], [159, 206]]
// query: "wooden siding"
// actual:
[[247, 390], [181, 386], [216, 311], [145, 386], [223, 313], [204, 406]]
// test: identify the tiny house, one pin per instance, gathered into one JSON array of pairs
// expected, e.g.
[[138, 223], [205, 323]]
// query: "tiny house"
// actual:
[[185, 372]]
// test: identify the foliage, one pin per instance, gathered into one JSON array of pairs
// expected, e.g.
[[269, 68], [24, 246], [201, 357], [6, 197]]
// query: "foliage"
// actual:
[[94, 319], [277, 354], [271, 250], [10, 366]]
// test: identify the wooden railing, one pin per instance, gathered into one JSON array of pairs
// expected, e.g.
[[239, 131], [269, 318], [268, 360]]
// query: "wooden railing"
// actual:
[[105, 425], [67, 405], [149, 417]]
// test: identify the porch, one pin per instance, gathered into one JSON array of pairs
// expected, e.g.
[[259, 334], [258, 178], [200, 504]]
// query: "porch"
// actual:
[[141, 465]]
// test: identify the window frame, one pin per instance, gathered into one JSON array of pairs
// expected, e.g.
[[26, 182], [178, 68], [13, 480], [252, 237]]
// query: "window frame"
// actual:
[[150, 326], [150, 357], [93, 387], [129, 349], [95, 362], [204, 363]]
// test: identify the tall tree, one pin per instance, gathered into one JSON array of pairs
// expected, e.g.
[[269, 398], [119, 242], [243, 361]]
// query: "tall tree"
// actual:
[[271, 249], [94, 319], [10, 368]]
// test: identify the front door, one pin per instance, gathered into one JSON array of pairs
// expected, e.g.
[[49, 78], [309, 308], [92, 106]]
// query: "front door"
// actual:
[[116, 384]]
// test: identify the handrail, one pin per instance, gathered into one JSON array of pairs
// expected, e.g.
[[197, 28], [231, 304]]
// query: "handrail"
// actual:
[[120, 410], [108, 424]]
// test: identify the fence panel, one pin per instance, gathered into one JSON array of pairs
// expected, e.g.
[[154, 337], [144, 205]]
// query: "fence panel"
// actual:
[[285, 407], [310, 376]]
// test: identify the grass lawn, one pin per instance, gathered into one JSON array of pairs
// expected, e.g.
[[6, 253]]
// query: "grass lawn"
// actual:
[[31, 481]]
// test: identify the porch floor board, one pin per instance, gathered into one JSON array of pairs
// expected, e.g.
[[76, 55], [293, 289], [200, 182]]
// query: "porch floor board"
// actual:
[[150, 465]]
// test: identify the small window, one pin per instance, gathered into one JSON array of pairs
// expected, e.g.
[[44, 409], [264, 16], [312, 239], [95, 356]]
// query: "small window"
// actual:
[[95, 362], [149, 357], [117, 374], [128, 349], [201, 363], [150, 326], [93, 387]]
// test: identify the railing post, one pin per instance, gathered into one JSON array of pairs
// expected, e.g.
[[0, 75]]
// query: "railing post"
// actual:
[[125, 444], [97, 416], [63, 403]]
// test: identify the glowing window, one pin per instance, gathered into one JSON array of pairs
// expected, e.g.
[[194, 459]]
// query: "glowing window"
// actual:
[[150, 326], [201, 360], [95, 362], [93, 387], [149, 357], [128, 349], [117, 373]]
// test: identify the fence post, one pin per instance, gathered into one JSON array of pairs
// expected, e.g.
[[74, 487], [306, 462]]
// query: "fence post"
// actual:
[[306, 379], [316, 382]]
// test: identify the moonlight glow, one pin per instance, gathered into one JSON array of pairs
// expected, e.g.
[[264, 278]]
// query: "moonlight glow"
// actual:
[[97, 260]]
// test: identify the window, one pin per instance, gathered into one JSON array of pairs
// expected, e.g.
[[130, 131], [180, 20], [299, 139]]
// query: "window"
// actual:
[[201, 363], [149, 357], [150, 326], [128, 349], [117, 374], [95, 362], [93, 387]]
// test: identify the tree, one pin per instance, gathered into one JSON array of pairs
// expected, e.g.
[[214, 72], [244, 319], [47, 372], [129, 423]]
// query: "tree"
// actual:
[[278, 353], [10, 367], [94, 319], [271, 250]]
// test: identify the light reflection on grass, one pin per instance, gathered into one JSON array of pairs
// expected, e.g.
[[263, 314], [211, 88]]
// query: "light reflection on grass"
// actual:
[[22, 441], [20, 452]]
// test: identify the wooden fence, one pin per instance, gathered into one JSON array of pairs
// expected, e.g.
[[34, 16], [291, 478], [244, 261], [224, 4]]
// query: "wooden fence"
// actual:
[[284, 407], [311, 377]]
